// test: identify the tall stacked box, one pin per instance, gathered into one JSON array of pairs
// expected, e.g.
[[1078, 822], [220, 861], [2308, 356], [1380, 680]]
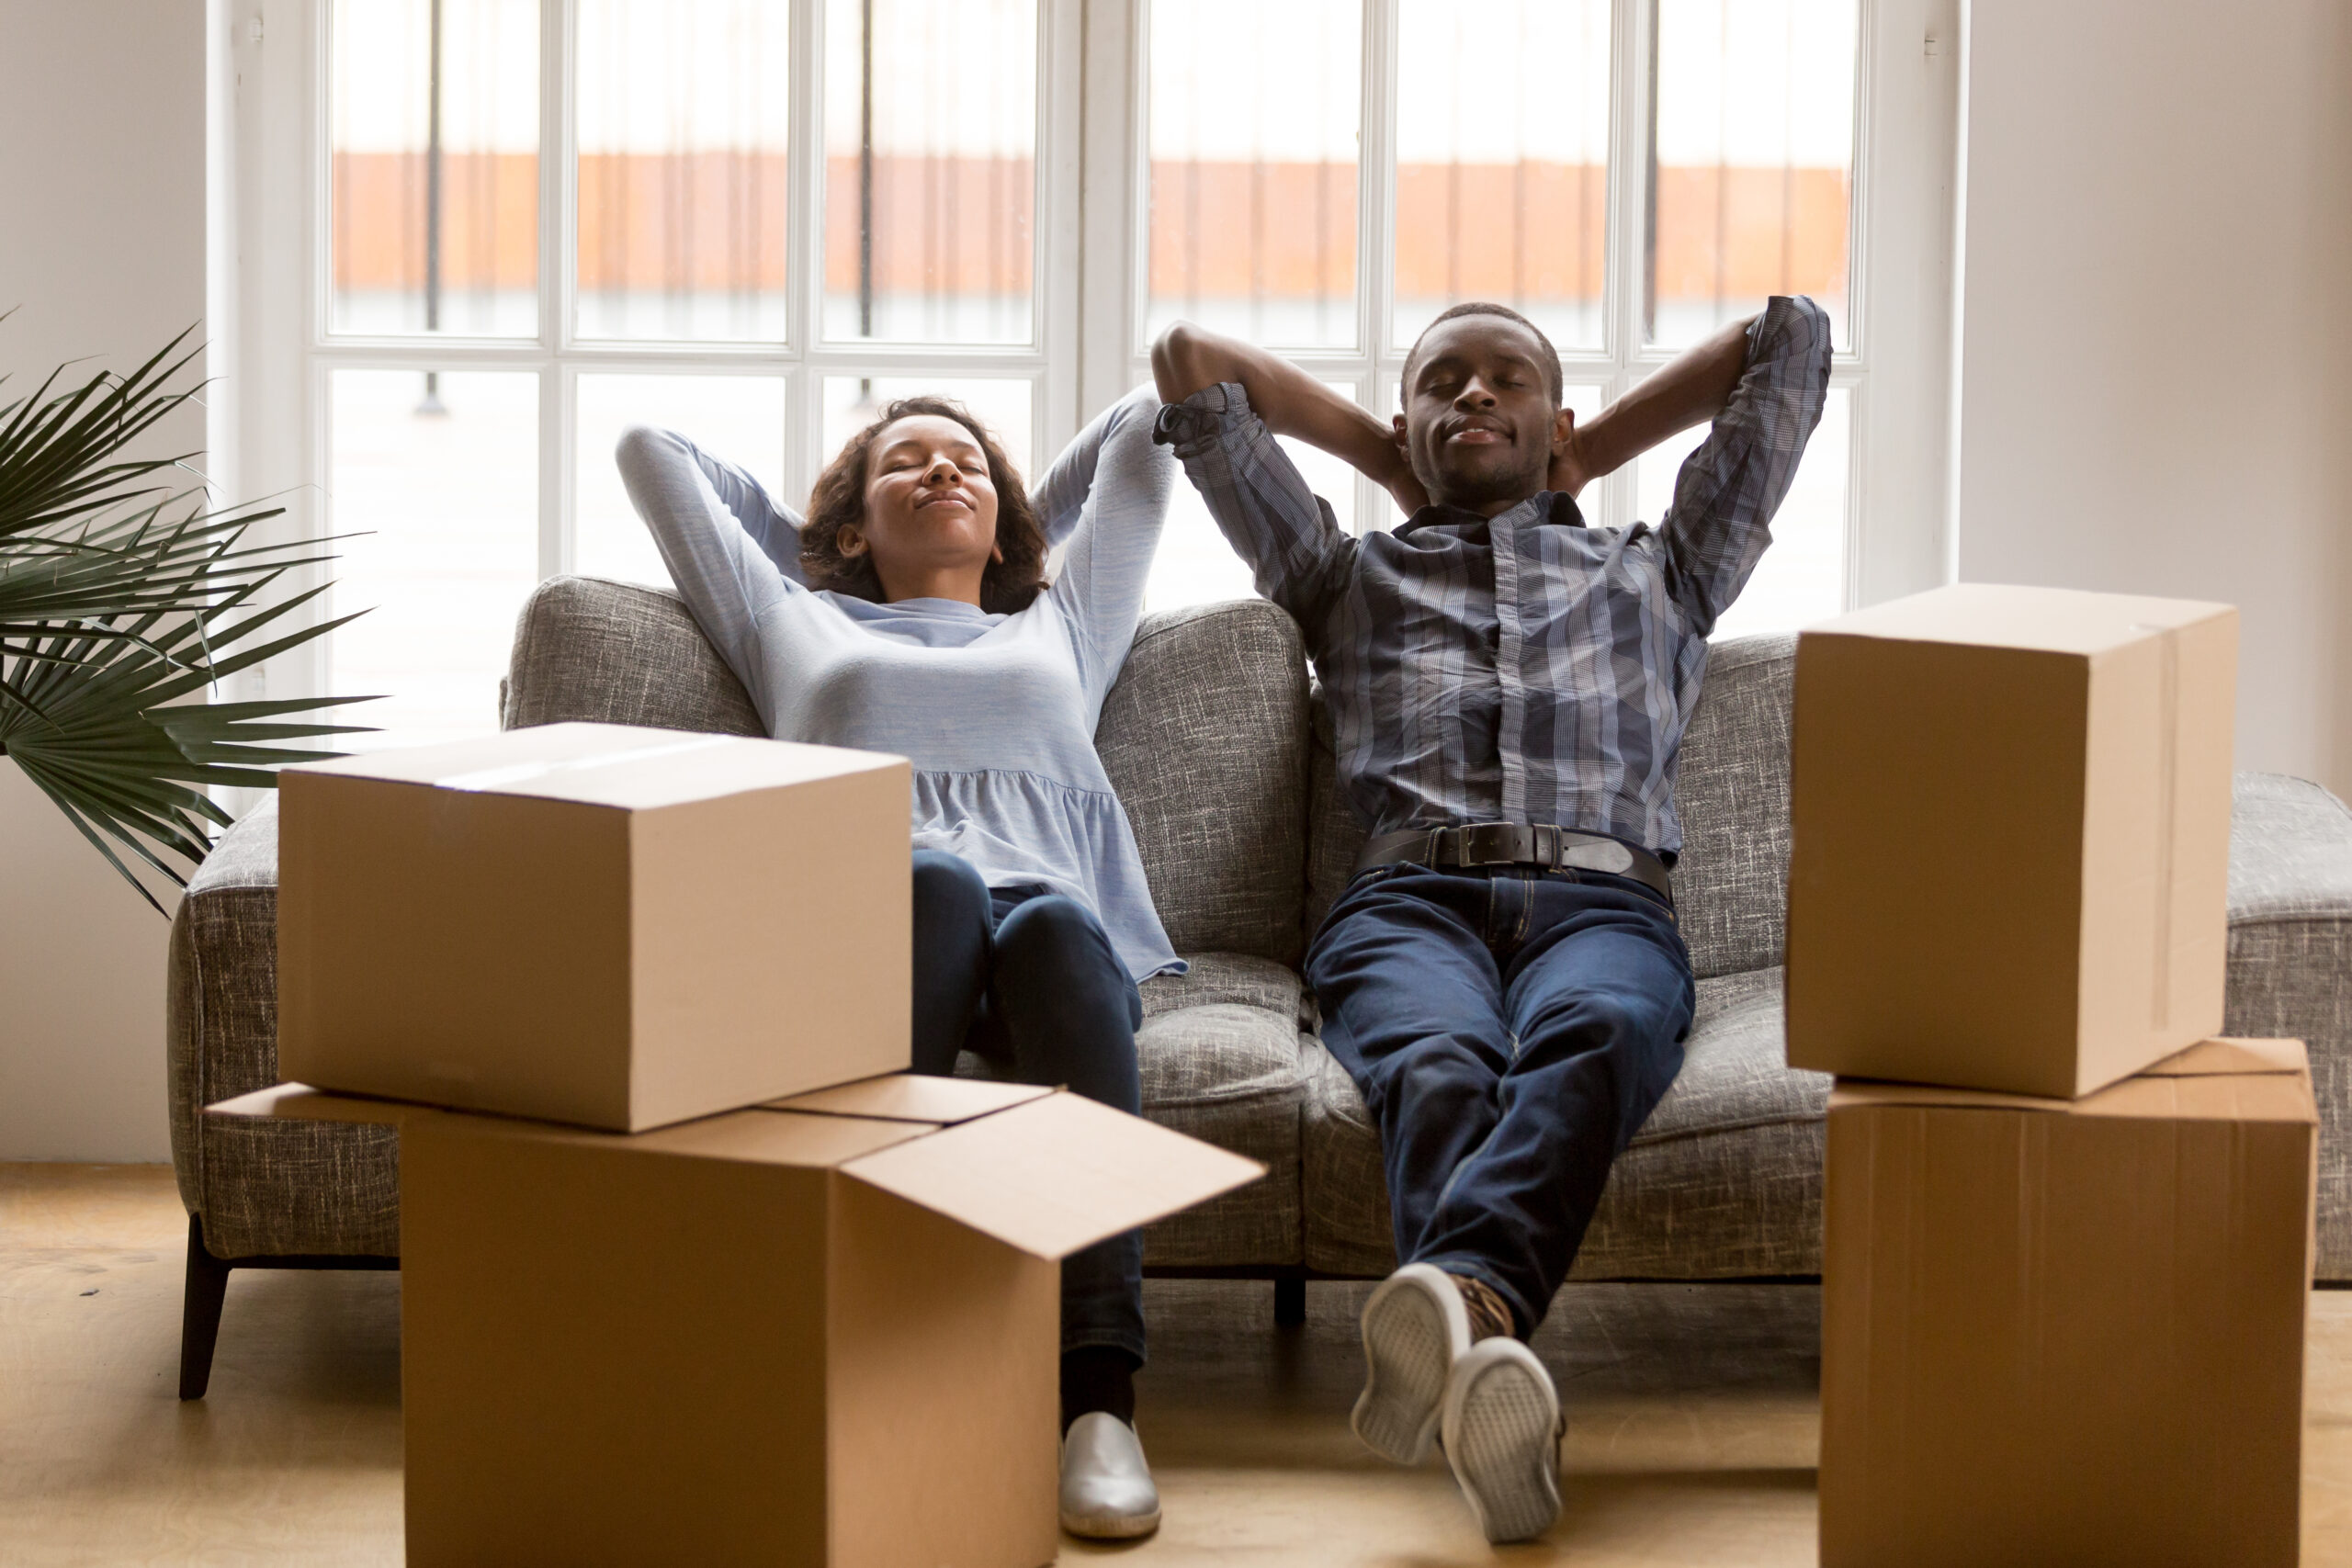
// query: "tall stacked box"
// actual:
[[2010, 819]]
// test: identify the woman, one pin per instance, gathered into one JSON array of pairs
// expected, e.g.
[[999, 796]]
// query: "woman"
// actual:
[[911, 614]]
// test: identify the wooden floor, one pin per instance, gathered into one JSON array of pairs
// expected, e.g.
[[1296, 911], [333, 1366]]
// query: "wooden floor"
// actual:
[[1692, 1420]]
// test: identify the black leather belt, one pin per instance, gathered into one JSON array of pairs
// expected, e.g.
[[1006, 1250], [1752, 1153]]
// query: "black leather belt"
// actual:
[[1510, 844]]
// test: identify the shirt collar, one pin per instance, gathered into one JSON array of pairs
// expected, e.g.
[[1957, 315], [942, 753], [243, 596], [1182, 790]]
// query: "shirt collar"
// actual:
[[1556, 507]]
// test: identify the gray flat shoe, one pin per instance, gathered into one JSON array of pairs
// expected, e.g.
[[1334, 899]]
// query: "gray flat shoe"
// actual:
[[1107, 1491], [1415, 1329], [1502, 1438]]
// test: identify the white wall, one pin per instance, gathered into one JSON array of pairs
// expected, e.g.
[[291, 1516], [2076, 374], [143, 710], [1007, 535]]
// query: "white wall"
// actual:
[[2155, 384], [102, 252]]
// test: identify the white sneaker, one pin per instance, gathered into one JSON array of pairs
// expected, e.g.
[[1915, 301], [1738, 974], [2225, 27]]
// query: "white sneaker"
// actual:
[[1502, 1438], [1107, 1490], [1415, 1329]]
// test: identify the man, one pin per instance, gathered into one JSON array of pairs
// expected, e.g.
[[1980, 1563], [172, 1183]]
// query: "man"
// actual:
[[1503, 978]]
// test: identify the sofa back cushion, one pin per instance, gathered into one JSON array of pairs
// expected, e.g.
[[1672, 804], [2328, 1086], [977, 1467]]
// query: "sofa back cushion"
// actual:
[[592, 651], [1731, 887], [1203, 737], [1731, 884]]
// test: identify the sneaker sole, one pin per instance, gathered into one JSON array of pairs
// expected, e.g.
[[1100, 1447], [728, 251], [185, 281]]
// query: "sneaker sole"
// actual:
[[1411, 1335], [1112, 1526], [1502, 1422]]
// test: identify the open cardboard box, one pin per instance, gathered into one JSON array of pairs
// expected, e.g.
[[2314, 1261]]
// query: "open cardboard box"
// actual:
[[594, 923], [2010, 837], [824, 1331], [2070, 1332]]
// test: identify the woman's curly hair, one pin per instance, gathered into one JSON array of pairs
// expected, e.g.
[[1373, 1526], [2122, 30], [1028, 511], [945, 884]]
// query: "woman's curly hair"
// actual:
[[1006, 585]]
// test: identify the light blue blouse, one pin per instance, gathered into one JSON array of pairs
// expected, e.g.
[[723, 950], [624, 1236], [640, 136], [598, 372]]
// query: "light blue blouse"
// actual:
[[996, 712]]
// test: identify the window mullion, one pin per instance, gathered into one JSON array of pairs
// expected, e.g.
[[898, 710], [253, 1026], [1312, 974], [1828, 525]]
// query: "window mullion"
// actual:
[[1623, 278], [559, 239], [1376, 222], [1112, 189], [805, 285], [1053, 279]]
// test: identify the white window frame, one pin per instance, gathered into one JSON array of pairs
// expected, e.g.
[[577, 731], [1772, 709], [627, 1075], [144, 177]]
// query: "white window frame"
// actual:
[[1896, 369], [1088, 301], [283, 66]]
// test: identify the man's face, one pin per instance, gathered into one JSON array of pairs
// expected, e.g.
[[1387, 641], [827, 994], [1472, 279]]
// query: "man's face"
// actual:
[[1479, 418]]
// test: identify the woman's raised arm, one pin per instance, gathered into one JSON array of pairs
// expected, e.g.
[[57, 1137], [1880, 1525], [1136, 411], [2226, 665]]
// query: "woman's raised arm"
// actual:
[[1113, 483], [703, 514]]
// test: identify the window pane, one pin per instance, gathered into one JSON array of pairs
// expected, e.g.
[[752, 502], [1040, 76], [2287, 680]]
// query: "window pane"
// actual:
[[1502, 161], [1802, 578], [1001, 403], [1253, 168], [442, 483], [1196, 566], [1754, 133], [739, 419], [931, 142], [434, 166], [683, 108]]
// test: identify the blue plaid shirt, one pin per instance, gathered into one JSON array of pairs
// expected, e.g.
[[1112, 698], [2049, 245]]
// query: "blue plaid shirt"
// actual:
[[1523, 668]]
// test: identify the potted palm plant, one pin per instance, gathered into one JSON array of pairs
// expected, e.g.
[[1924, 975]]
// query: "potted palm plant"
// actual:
[[126, 597]]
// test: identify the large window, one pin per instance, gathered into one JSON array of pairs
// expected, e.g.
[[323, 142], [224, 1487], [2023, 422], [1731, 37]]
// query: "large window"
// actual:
[[523, 224]]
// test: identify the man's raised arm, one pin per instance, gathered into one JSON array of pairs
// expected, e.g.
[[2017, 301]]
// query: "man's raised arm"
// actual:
[[1186, 358], [1689, 389]]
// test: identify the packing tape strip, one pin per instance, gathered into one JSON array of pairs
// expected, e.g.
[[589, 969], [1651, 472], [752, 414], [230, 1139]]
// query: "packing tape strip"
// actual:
[[520, 772]]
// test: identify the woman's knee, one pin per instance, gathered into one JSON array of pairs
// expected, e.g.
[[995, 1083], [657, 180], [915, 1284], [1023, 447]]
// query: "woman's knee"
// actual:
[[948, 888], [1054, 931]]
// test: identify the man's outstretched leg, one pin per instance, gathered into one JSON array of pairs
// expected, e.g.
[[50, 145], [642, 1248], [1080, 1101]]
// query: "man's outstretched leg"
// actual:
[[1509, 1033], [1599, 999], [1412, 1003]]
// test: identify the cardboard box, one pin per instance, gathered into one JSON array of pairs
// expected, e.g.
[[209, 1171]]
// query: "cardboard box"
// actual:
[[2070, 1332], [2012, 819], [827, 1333], [614, 927]]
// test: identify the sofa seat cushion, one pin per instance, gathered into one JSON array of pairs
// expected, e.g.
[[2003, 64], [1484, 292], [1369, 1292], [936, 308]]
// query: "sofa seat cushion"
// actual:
[[1722, 1182]]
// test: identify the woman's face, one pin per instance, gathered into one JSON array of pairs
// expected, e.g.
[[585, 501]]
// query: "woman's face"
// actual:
[[929, 506]]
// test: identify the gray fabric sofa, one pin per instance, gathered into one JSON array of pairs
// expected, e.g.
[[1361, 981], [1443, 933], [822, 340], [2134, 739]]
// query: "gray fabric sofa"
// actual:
[[1213, 740]]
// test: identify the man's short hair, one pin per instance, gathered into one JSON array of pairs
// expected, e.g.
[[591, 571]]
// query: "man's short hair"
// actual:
[[1553, 382]]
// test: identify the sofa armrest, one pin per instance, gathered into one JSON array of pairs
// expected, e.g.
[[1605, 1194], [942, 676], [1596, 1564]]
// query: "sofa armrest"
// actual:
[[2290, 962], [220, 996], [260, 1187]]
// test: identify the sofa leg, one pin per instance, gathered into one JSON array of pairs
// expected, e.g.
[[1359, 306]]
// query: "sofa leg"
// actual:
[[1290, 1302], [207, 1283]]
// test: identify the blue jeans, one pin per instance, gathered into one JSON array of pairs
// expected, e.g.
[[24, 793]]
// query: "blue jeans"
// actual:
[[1510, 1031], [1028, 980]]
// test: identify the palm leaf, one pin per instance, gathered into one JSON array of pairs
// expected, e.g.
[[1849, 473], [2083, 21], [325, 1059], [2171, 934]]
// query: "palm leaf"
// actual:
[[125, 599]]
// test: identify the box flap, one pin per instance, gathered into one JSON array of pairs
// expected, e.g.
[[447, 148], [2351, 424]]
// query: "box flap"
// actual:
[[912, 1097], [1871, 1092], [1055, 1175], [768, 1138], [2245, 1080], [2212, 1057], [2055, 620], [301, 1103], [606, 764]]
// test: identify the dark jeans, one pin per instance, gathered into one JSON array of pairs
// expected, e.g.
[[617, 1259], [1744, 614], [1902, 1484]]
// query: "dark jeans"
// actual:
[[1029, 980], [1510, 1031]]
